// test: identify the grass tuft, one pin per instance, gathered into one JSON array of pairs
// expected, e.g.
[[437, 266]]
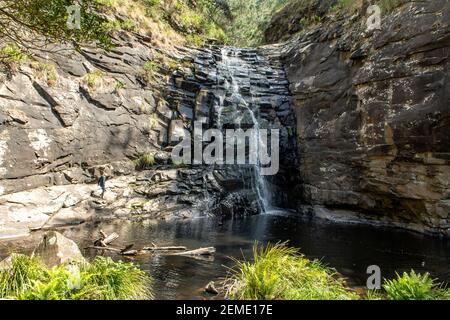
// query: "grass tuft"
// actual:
[[280, 272], [14, 279], [414, 286], [145, 161], [93, 77], [102, 279]]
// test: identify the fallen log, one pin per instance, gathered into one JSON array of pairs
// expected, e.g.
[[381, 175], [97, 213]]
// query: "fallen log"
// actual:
[[105, 240], [197, 252], [109, 239], [171, 248], [129, 253], [105, 248], [124, 252], [127, 248]]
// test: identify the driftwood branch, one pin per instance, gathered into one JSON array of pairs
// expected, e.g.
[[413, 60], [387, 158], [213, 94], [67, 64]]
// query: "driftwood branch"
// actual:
[[103, 244], [173, 248], [104, 248], [105, 240], [127, 248], [197, 252]]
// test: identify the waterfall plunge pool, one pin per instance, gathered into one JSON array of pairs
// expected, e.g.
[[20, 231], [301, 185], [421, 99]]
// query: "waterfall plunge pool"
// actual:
[[348, 248]]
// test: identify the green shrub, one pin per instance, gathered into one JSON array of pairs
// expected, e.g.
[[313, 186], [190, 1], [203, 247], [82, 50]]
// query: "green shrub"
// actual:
[[375, 295], [412, 286], [145, 161], [109, 280], [306, 22], [250, 19], [195, 40], [150, 69], [152, 3], [102, 279], [12, 52], [128, 25], [343, 5], [191, 20], [11, 56], [172, 64], [105, 3], [23, 22], [279, 272]]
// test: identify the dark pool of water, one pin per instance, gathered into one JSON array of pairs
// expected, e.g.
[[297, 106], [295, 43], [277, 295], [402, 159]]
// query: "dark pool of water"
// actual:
[[348, 248]]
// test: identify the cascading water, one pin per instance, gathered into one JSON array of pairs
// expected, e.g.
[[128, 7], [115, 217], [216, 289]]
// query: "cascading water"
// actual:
[[229, 88], [241, 111]]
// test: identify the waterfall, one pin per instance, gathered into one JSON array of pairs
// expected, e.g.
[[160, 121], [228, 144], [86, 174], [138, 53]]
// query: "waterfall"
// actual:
[[235, 108], [235, 89]]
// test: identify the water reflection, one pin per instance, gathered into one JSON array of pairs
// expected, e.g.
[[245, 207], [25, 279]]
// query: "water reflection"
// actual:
[[348, 248]]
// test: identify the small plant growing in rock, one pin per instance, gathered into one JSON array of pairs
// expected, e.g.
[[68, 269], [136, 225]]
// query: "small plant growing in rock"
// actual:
[[150, 68], [138, 205], [120, 85], [389, 5], [128, 25], [195, 40], [45, 71], [290, 132], [306, 22], [92, 78], [12, 56], [145, 161], [343, 5], [106, 3], [172, 64], [152, 3]]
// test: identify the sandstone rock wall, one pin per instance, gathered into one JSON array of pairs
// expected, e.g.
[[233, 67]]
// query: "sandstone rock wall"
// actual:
[[373, 115], [68, 115], [95, 112]]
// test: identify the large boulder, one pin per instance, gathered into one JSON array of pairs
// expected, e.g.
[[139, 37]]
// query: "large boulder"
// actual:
[[55, 249], [6, 264]]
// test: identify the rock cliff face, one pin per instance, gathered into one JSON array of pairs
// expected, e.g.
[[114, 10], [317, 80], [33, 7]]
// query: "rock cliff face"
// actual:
[[371, 113], [66, 117], [373, 116]]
